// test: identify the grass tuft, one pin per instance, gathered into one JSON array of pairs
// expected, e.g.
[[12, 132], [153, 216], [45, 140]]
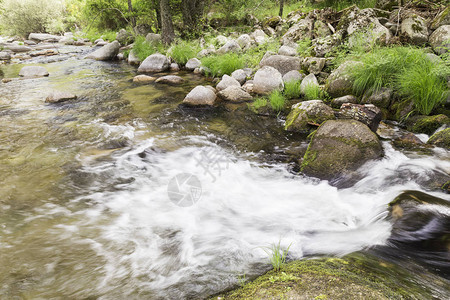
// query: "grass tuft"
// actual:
[[277, 101], [142, 49], [292, 89], [277, 255], [183, 51], [313, 92], [220, 65]]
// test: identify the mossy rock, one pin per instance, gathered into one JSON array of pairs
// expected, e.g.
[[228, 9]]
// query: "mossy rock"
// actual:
[[307, 114], [355, 276], [401, 109], [340, 147], [441, 139], [427, 124]]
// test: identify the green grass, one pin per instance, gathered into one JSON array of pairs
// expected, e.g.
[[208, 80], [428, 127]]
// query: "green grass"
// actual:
[[341, 4], [277, 255], [183, 51], [277, 101], [219, 65], [304, 47], [143, 49], [292, 89], [313, 92], [93, 35], [406, 70], [259, 103], [253, 56]]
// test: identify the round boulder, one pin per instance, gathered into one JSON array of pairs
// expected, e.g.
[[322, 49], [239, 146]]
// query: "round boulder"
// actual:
[[306, 114], [193, 64], [227, 81], [200, 96], [154, 63], [267, 79], [234, 94], [339, 147], [107, 52], [282, 63], [240, 75], [439, 39], [170, 79]]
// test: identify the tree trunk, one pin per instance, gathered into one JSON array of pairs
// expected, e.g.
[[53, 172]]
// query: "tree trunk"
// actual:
[[130, 11], [158, 15], [167, 32], [192, 11], [281, 8]]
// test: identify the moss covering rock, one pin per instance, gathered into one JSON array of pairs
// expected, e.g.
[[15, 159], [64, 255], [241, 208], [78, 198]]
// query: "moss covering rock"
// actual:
[[427, 124], [339, 147], [355, 276], [306, 114], [441, 139], [340, 82]]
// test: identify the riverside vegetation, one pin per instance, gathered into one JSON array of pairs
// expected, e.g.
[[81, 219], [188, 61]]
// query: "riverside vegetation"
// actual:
[[337, 74]]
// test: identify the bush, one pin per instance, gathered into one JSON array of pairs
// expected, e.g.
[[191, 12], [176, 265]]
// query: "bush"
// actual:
[[406, 70], [22, 17], [183, 51], [292, 89], [277, 101], [219, 65], [142, 49]]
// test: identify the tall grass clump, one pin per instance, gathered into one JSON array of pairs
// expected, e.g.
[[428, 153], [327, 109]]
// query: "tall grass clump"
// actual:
[[406, 70], [183, 51], [277, 255], [142, 49], [277, 101], [292, 89], [219, 65], [23, 17], [313, 92]]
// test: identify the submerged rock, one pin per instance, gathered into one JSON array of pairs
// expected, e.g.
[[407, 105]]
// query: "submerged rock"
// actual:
[[267, 79], [200, 96], [154, 63], [107, 52], [170, 79], [33, 71], [59, 96], [143, 79], [18, 48], [306, 114], [339, 147], [441, 139]]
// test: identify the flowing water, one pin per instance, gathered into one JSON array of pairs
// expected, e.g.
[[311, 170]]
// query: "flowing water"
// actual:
[[85, 207]]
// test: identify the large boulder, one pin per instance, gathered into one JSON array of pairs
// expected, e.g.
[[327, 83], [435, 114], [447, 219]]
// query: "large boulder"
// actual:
[[240, 75], [414, 30], [441, 139], [33, 71], [267, 79], [44, 37], [227, 81], [368, 114], [287, 51], [107, 52], [282, 63], [18, 48], [234, 94], [244, 41], [427, 124], [322, 46], [440, 39], [304, 115], [230, 46], [192, 64], [59, 96], [154, 63], [339, 147], [200, 96], [340, 82], [124, 37], [133, 59], [300, 31]]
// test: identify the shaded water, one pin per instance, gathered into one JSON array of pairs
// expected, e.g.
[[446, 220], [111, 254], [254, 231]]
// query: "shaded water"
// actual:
[[85, 210]]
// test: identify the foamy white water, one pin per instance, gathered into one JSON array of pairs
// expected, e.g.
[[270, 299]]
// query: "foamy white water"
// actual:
[[145, 245]]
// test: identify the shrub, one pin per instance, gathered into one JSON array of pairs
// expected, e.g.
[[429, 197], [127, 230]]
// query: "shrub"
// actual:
[[183, 51], [142, 49], [22, 17], [277, 101], [292, 89], [219, 65]]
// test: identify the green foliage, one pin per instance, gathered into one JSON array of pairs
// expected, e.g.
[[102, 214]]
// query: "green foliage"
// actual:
[[105, 14], [406, 70], [219, 65], [277, 101], [22, 17], [292, 89], [142, 49], [183, 51], [313, 92], [277, 255], [253, 56], [259, 103], [93, 35], [304, 47], [341, 4]]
